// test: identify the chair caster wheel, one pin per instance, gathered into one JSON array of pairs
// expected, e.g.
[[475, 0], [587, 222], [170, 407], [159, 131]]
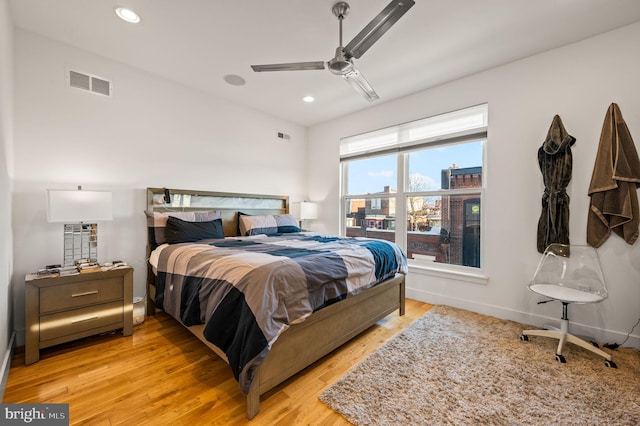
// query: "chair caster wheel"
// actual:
[[524, 337], [561, 359], [610, 364]]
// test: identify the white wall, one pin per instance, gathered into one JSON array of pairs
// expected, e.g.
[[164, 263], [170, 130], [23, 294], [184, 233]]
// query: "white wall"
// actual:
[[6, 166], [578, 82], [151, 133]]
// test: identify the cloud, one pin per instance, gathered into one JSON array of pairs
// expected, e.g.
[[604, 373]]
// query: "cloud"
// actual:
[[420, 182]]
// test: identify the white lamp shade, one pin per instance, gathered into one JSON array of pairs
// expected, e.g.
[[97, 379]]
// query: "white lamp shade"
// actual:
[[71, 206], [308, 210]]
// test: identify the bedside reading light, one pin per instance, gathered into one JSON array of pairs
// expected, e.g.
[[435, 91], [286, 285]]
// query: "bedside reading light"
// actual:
[[305, 210], [79, 210]]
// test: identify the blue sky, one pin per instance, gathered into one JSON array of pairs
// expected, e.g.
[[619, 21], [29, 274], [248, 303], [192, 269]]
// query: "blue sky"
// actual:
[[373, 174]]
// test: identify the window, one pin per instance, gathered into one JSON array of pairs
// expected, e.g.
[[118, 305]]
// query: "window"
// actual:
[[419, 184]]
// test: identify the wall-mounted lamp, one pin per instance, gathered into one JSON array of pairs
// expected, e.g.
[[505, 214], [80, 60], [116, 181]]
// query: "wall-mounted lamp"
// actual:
[[305, 210], [167, 196], [79, 210]]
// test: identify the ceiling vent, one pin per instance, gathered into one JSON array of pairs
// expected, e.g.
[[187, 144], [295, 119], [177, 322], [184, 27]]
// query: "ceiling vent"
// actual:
[[90, 83]]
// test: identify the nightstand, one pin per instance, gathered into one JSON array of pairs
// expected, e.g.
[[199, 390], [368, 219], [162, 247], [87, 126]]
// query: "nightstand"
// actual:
[[61, 309]]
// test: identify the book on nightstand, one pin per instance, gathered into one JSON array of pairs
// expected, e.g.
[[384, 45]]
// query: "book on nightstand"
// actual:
[[68, 270], [85, 266]]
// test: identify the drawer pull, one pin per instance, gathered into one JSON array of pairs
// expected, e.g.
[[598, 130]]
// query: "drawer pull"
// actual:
[[84, 319], [88, 293]]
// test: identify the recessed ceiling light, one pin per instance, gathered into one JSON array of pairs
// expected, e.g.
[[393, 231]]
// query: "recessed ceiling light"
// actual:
[[128, 15], [234, 80], [308, 99]]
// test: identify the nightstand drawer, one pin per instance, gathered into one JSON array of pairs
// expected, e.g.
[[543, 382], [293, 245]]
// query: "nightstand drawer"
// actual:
[[85, 293], [62, 309], [79, 320]]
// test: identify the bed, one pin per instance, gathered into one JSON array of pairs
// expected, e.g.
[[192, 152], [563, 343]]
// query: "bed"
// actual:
[[238, 273]]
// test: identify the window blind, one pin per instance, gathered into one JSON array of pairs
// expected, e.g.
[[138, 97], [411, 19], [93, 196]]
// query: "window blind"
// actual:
[[461, 125]]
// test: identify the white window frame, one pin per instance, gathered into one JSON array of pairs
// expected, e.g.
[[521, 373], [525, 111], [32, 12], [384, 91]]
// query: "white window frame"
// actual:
[[395, 139]]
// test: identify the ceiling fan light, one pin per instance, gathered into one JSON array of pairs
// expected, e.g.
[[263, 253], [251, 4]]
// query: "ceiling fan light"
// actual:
[[362, 86]]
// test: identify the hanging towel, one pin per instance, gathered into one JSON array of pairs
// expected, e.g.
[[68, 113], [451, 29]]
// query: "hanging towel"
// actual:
[[613, 188], [555, 161]]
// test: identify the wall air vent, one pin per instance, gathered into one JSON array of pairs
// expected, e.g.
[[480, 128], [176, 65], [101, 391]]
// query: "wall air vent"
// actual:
[[90, 83]]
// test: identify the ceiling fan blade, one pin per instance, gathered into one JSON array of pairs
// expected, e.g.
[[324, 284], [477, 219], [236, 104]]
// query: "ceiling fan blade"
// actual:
[[292, 66], [377, 27], [362, 86]]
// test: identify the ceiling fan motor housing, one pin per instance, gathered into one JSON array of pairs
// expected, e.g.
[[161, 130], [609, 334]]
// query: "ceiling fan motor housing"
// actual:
[[340, 65]]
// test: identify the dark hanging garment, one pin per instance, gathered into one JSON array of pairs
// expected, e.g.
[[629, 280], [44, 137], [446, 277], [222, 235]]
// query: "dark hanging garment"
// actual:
[[614, 182], [555, 161]]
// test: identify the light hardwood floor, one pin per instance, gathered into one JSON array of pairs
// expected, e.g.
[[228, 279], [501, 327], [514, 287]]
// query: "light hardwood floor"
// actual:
[[163, 375]]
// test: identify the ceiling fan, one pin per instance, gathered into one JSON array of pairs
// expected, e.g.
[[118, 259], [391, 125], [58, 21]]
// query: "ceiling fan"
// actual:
[[342, 63]]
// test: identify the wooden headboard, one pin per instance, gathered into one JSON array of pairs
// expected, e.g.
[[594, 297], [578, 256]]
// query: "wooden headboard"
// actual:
[[229, 204]]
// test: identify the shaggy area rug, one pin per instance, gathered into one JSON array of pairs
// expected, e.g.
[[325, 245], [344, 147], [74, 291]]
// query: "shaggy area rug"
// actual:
[[456, 367]]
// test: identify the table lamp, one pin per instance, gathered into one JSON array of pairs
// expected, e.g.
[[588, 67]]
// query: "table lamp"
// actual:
[[305, 210], [79, 210]]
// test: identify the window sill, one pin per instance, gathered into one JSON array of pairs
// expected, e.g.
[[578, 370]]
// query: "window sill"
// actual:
[[448, 272]]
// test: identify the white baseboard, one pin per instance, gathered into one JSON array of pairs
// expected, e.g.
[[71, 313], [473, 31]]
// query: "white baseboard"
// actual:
[[6, 365], [535, 320]]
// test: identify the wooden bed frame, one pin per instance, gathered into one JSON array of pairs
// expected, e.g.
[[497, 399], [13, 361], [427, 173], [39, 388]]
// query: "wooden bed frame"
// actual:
[[301, 344]]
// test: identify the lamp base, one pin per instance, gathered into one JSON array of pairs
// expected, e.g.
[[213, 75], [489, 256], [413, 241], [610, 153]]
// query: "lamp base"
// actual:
[[80, 242]]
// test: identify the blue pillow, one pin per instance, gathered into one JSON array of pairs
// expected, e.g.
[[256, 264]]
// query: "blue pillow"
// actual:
[[156, 223]]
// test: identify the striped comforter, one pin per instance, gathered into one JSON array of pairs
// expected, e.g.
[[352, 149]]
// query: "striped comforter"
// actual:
[[248, 290]]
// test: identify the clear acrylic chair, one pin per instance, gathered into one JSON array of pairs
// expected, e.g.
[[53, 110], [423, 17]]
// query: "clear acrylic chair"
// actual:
[[569, 274]]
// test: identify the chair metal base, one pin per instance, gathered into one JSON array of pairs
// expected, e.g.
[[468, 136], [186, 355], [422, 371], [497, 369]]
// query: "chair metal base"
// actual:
[[564, 336]]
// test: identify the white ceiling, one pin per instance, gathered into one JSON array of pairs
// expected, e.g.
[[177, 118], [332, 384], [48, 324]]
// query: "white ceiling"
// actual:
[[198, 42]]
